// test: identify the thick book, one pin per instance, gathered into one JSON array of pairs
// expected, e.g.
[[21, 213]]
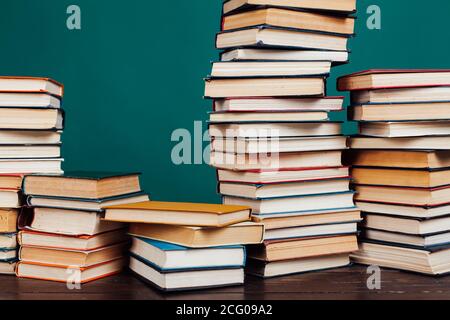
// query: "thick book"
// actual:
[[267, 116], [30, 238], [8, 267], [86, 185], [30, 151], [69, 274], [327, 201], [416, 178], [9, 198], [284, 189], [30, 137], [76, 258], [294, 19], [250, 54], [271, 104], [410, 159], [201, 237], [31, 85], [282, 161], [403, 143], [28, 166], [394, 78], [11, 181], [402, 95], [274, 37], [168, 257], [29, 100], [268, 270], [265, 87], [269, 69], [178, 213], [8, 241], [404, 210], [312, 231], [84, 204], [342, 6], [405, 129], [185, 280], [31, 118], [274, 129], [279, 176], [278, 250], [8, 220]]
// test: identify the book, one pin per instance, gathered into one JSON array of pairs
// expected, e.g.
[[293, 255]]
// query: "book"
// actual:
[[427, 159], [280, 221], [8, 267], [280, 176], [75, 258], [8, 254], [403, 195], [267, 69], [77, 243], [27, 166], [8, 240], [27, 137], [29, 100], [201, 237], [171, 257], [295, 19], [31, 118], [417, 241], [66, 222], [31, 85], [285, 160], [84, 204], [313, 231], [252, 117], [30, 151], [402, 95], [9, 198], [405, 129], [416, 178], [268, 270], [186, 280], [85, 185], [271, 37], [401, 111], [278, 250], [414, 143], [420, 261], [188, 214], [249, 54], [343, 6], [264, 87], [284, 189], [66, 274], [278, 104], [8, 220], [11, 181], [295, 203], [274, 129], [407, 225], [404, 210], [394, 78], [278, 145]]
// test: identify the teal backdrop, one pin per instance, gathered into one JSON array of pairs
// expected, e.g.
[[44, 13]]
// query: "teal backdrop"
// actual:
[[134, 74]]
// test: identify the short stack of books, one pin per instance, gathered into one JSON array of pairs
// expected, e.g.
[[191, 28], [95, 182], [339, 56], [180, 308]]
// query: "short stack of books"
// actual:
[[31, 122], [273, 144], [185, 246], [401, 167], [63, 237]]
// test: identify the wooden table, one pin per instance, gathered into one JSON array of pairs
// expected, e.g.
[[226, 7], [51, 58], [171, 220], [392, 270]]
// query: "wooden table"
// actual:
[[343, 284]]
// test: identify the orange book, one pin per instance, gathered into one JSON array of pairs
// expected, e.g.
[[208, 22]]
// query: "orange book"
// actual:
[[173, 213]]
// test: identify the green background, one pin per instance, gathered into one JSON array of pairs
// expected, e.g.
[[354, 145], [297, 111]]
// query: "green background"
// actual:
[[133, 74]]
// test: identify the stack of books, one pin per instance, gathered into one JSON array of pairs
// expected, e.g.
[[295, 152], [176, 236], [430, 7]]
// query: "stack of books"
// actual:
[[185, 246], [273, 144], [31, 122], [401, 167], [63, 237]]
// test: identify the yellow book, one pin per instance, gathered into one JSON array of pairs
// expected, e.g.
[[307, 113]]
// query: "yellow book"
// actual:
[[8, 221]]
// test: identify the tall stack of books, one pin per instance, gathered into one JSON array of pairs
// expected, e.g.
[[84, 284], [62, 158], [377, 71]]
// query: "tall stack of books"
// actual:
[[31, 121], [272, 142], [63, 237], [184, 246], [401, 167]]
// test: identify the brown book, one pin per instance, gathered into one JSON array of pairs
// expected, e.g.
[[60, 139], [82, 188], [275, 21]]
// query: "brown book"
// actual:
[[198, 237], [8, 220], [178, 213], [402, 177], [303, 248], [284, 18], [400, 158], [402, 111], [11, 181]]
